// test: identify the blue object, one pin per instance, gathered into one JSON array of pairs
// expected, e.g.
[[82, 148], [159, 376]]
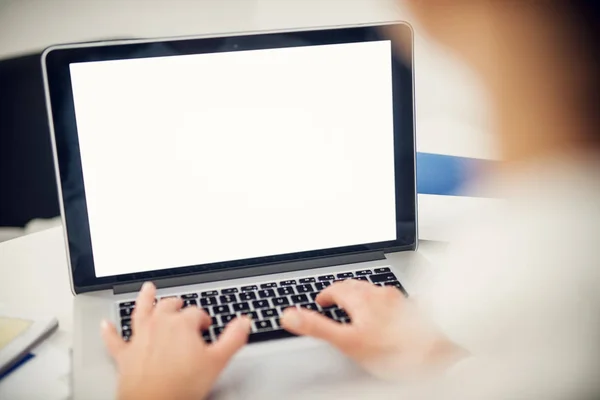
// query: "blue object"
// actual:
[[445, 175], [22, 361]]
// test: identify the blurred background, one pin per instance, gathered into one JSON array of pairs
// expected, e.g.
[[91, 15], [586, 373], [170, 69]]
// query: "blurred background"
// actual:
[[453, 126]]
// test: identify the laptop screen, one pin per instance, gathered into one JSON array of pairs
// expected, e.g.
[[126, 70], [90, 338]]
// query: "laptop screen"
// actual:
[[216, 157], [204, 158]]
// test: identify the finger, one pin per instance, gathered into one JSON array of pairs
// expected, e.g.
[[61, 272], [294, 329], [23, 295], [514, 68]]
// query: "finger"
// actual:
[[196, 317], [113, 341], [309, 323], [347, 295], [233, 338], [144, 304], [169, 305]]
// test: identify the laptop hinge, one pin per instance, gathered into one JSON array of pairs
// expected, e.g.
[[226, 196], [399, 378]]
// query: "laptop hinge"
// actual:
[[254, 271]]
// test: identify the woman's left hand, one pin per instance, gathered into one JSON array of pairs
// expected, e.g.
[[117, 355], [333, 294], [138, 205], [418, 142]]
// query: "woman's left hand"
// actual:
[[167, 357]]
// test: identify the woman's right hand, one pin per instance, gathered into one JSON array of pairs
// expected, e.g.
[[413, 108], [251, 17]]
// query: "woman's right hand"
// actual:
[[387, 334]]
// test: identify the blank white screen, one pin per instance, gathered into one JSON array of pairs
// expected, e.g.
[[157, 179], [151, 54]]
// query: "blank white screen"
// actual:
[[204, 158]]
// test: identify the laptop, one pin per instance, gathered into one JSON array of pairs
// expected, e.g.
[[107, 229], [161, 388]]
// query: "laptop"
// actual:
[[243, 172]]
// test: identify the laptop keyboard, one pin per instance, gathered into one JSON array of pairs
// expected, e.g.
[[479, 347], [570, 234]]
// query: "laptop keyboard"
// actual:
[[265, 302]]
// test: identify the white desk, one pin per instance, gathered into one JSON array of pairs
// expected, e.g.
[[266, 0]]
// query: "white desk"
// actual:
[[34, 280]]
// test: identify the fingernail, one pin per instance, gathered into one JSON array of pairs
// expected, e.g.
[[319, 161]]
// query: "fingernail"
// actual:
[[147, 285], [104, 324], [292, 319]]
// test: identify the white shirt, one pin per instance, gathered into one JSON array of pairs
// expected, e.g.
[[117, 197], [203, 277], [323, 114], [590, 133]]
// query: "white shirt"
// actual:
[[521, 287]]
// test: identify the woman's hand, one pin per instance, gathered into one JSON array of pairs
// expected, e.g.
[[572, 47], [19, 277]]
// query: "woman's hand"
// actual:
[[167, 357], [387, 335]]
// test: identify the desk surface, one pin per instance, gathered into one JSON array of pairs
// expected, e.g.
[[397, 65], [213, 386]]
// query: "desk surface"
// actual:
[[35, 280]]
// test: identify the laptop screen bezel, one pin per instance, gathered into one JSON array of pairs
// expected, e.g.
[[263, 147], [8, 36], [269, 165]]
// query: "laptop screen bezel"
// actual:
[[61, 114]]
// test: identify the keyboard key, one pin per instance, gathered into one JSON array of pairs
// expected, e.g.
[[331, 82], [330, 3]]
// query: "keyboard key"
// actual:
[[313, 296], [217, 330], [326, 278], [345, 275], [249, 288], [224, 309], [268, 285], [383, 277], [304, 288], [287, 283], [126, 324], [262, 336], [345, 320], [306, 280], [330, 308], [229, 290], [189, 296], [339, 313], [251, 314], [190, 303], [210, 293], [310, 306], [225, 319], [260, 304], [263, 294], [126, 312], [230, 298], [262, 325], [392, 283], [361, 278], [127, 304], [280, 301], [126, 336], [299, 298], [269, 313], [208, 301], [214, 321], [277, 322], [397, 285], [285, 291], [382, 270], [247, 296], [329, 314], [363, 272], [206, 336], [321, 285], [241, 307]]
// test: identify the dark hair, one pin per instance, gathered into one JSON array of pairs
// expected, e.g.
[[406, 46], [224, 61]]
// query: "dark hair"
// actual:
[[584, 15], [584, 18]]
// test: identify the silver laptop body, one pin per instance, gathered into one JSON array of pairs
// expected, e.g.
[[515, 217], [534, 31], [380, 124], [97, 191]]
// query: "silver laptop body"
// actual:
[[267, 368]]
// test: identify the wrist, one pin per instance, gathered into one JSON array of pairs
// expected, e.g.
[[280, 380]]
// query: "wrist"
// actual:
[[130, 389], [444, 353]]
